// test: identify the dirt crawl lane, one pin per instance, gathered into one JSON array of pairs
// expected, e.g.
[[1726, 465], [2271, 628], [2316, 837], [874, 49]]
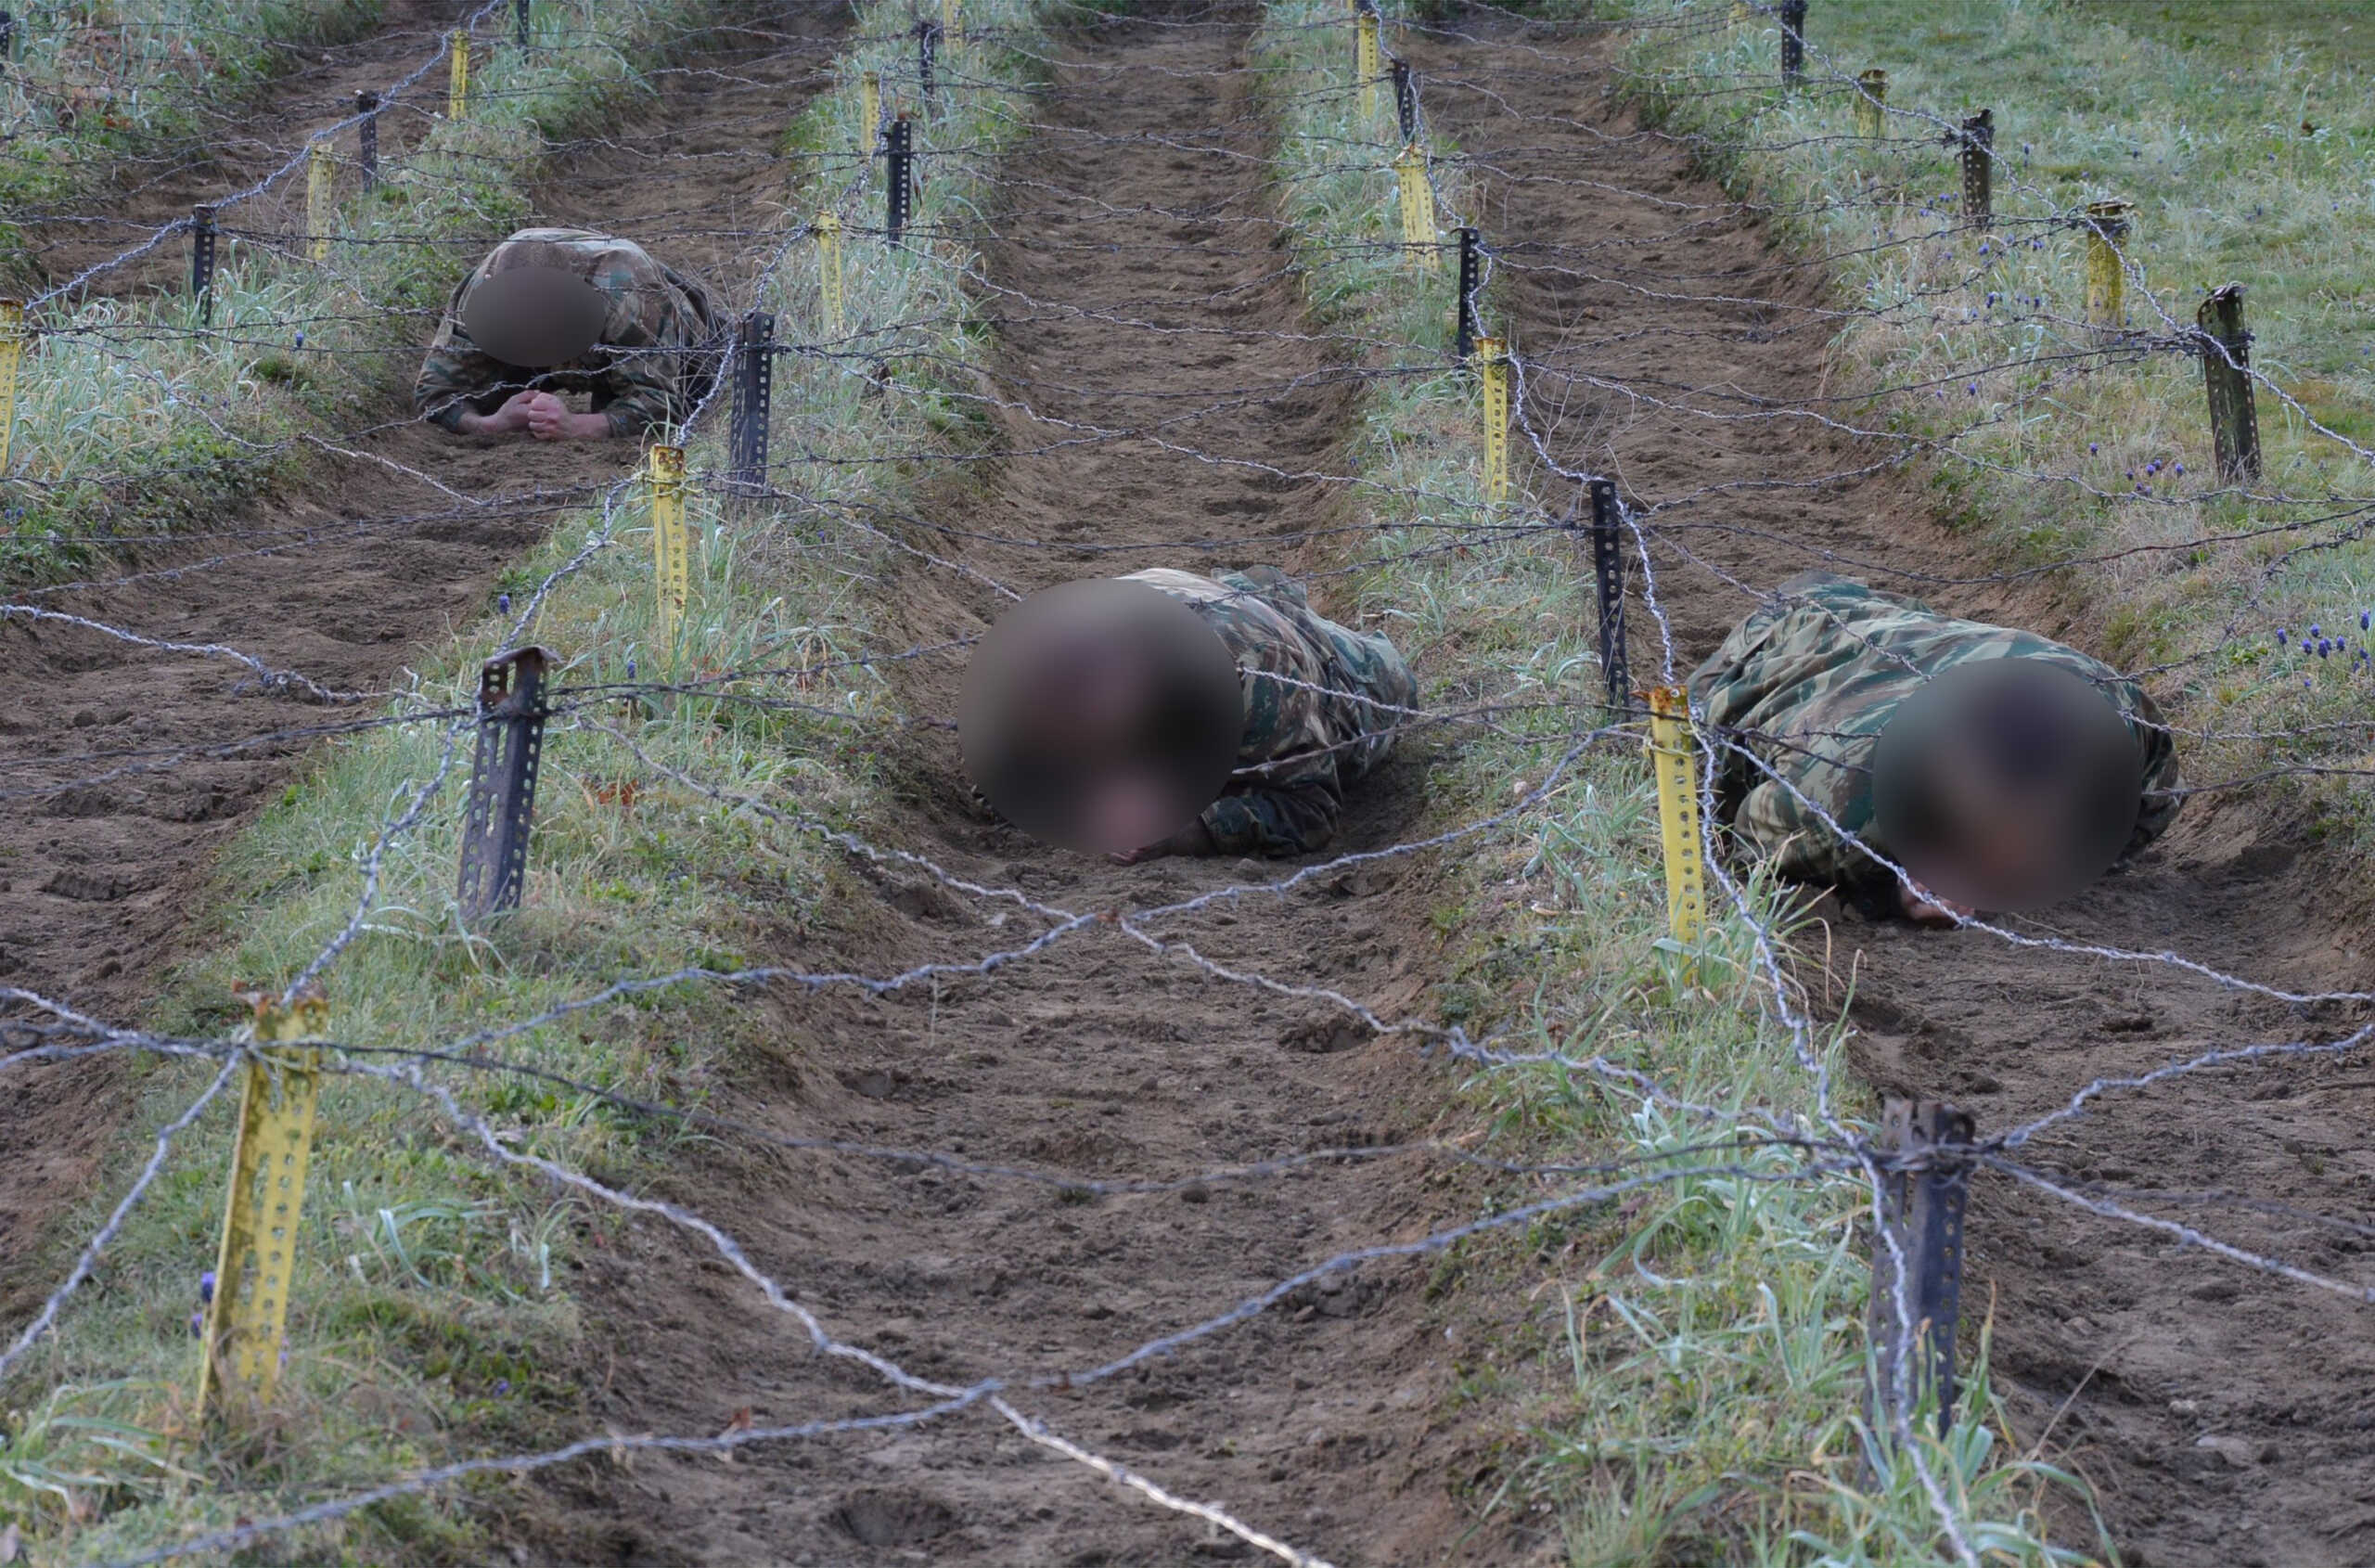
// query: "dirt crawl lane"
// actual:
[[371, 564], [1137, 203], [2223, 1412]]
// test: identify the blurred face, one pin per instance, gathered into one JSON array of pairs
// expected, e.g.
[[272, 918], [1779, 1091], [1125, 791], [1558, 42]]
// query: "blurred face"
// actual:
[[2007, 785], [1102, 716]]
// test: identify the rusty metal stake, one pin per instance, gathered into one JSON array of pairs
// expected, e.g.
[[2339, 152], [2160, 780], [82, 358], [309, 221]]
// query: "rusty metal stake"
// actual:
[[1921, 1208], [502, 782], [2226, 367]]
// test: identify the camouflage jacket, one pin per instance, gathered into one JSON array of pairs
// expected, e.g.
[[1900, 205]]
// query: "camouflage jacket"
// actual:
[[1814, 677], [1302, 745], [651, 366]]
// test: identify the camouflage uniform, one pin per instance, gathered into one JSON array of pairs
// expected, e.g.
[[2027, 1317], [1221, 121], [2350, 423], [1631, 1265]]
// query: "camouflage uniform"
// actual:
[[1816, 676], [1301, 746], [649, 366]]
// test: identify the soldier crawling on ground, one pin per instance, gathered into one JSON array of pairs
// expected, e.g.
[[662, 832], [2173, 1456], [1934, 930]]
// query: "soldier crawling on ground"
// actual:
[[1167, 713], [552, 311], [2001, 769]]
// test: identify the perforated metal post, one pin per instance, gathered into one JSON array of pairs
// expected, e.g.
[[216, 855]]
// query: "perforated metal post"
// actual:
[[520, 11], [828, 272], [248, 1313], [1417, 209], [1366, 66], [2226, 366], [1405, 100], [1872, 95], [1496, 364], [1466, 325], [502, 782], [1674, 757], [457, 85], [754, 379], [321, 192], [2107, 227], [671, 548], [926, 45], [1921, 1208], [7, 38], [201, 259], [1793, 41], [898, 193], [367, 135], [1608, 582], [869, 113], [1979, 168], [12, 354]]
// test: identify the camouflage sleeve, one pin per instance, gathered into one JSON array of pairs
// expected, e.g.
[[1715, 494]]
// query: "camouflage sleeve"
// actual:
[[455, 377], [1278, 815], [2161, 778], [638, 390]]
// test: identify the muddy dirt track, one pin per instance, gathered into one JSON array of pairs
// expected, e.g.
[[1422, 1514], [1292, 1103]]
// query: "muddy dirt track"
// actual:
[[1136, 207], [370, 562], [2120, 1350]]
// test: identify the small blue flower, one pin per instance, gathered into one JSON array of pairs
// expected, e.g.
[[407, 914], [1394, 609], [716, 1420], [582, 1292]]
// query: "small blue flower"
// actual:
[[503, 604], [2324, 647], [2178, 469], [197, 1325], [630, 667], [2092, 448], [2283, 636], [2316, 630], [503, 1388], [2153, 467], [301, 337], [1974, 389], [2306, 683], [2306, 645], [206, 1286], [2362, 621]]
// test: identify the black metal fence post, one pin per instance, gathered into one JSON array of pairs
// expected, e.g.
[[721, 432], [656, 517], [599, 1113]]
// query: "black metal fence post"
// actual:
[[927, 47], [754, 379], [1922, 1210], [502, 782], [1979, 167], [201, 261], [519, 9], [1793, 41], [368, 134], [1406, 101], [897, 190], [1608, 577], [2226, 367], [1465, 325], [7, 38]]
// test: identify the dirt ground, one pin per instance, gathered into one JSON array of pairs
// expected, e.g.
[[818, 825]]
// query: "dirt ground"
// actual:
[[370, 564], [1138, 198], [2225, 1413]]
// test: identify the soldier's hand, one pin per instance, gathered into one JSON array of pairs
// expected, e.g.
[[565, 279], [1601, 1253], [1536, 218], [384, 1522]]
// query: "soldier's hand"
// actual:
[[547, 418], [1935, 916], [1194, 839], [512, 415]]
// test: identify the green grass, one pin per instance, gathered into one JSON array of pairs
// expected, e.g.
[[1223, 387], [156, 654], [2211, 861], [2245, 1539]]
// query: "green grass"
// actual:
[[97, 80], [431, 1314], [1686, 1386], [2325, 33], [2245, 158]]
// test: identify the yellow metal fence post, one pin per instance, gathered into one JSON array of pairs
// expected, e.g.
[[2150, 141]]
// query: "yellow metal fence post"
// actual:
[[1417, 209], [249, 1311], [952, 25], [672, 568], [1675, 756], [869, 112], [1365, 60], [829, 270], [12, 353], [457, 90], [321, 176], [1869, 114], [2107, 225], [1494, 364]]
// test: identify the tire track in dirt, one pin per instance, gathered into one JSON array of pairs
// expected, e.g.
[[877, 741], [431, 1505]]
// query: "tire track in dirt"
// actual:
[[2119, 1351], [1139, 195], [98, 883]]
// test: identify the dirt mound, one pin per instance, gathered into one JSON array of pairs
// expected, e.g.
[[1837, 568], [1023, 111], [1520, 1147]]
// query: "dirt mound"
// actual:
[[2220, 1410]]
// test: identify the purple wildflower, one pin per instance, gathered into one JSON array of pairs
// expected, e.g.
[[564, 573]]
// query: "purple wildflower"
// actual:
[[206, 1286]]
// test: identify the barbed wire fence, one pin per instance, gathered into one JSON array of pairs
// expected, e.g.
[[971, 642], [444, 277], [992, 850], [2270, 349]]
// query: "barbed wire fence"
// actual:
[[2059, 349]]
